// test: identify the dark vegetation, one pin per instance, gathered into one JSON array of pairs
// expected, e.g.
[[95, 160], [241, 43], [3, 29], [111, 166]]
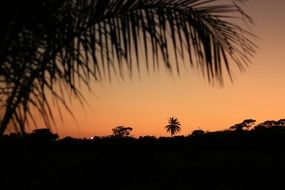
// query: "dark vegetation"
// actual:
[[237, 158]]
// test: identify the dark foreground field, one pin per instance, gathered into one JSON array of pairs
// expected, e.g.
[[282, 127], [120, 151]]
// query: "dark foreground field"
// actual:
[[218, 162]]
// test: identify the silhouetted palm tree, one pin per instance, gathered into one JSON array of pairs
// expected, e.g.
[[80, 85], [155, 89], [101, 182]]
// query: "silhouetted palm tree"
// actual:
[[173, 126], [49, 47]]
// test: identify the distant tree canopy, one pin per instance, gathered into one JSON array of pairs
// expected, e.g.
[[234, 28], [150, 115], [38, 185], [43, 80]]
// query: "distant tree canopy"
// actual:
[[122, 131], [250, 124], [49, 48], [245, 125], [271, 126], [272, 123]]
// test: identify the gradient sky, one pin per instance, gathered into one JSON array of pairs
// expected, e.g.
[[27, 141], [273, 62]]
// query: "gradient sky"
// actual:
[[145, 103]]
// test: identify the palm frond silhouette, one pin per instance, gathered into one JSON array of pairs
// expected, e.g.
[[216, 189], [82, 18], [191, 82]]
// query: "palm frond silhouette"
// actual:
[[48, 48]]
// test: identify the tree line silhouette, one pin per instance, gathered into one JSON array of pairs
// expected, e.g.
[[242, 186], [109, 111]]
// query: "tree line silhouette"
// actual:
[[195, 161], [244, 134]]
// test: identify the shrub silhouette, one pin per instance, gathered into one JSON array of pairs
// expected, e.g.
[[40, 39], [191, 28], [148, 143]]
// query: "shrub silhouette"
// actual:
[[121, 131], [197, 133], [43, 135]]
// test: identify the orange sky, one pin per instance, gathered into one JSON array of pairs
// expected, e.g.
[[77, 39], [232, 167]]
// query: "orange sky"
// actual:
[[145, 104]]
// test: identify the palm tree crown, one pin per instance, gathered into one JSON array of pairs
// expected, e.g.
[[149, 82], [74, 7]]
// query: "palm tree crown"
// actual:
[[48, 48], [173, 126]]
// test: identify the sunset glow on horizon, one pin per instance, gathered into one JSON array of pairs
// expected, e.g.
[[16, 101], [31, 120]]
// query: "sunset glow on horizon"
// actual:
[[146, 102]]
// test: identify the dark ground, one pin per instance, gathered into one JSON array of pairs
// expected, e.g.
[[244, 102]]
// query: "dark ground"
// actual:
[[147, 163]]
